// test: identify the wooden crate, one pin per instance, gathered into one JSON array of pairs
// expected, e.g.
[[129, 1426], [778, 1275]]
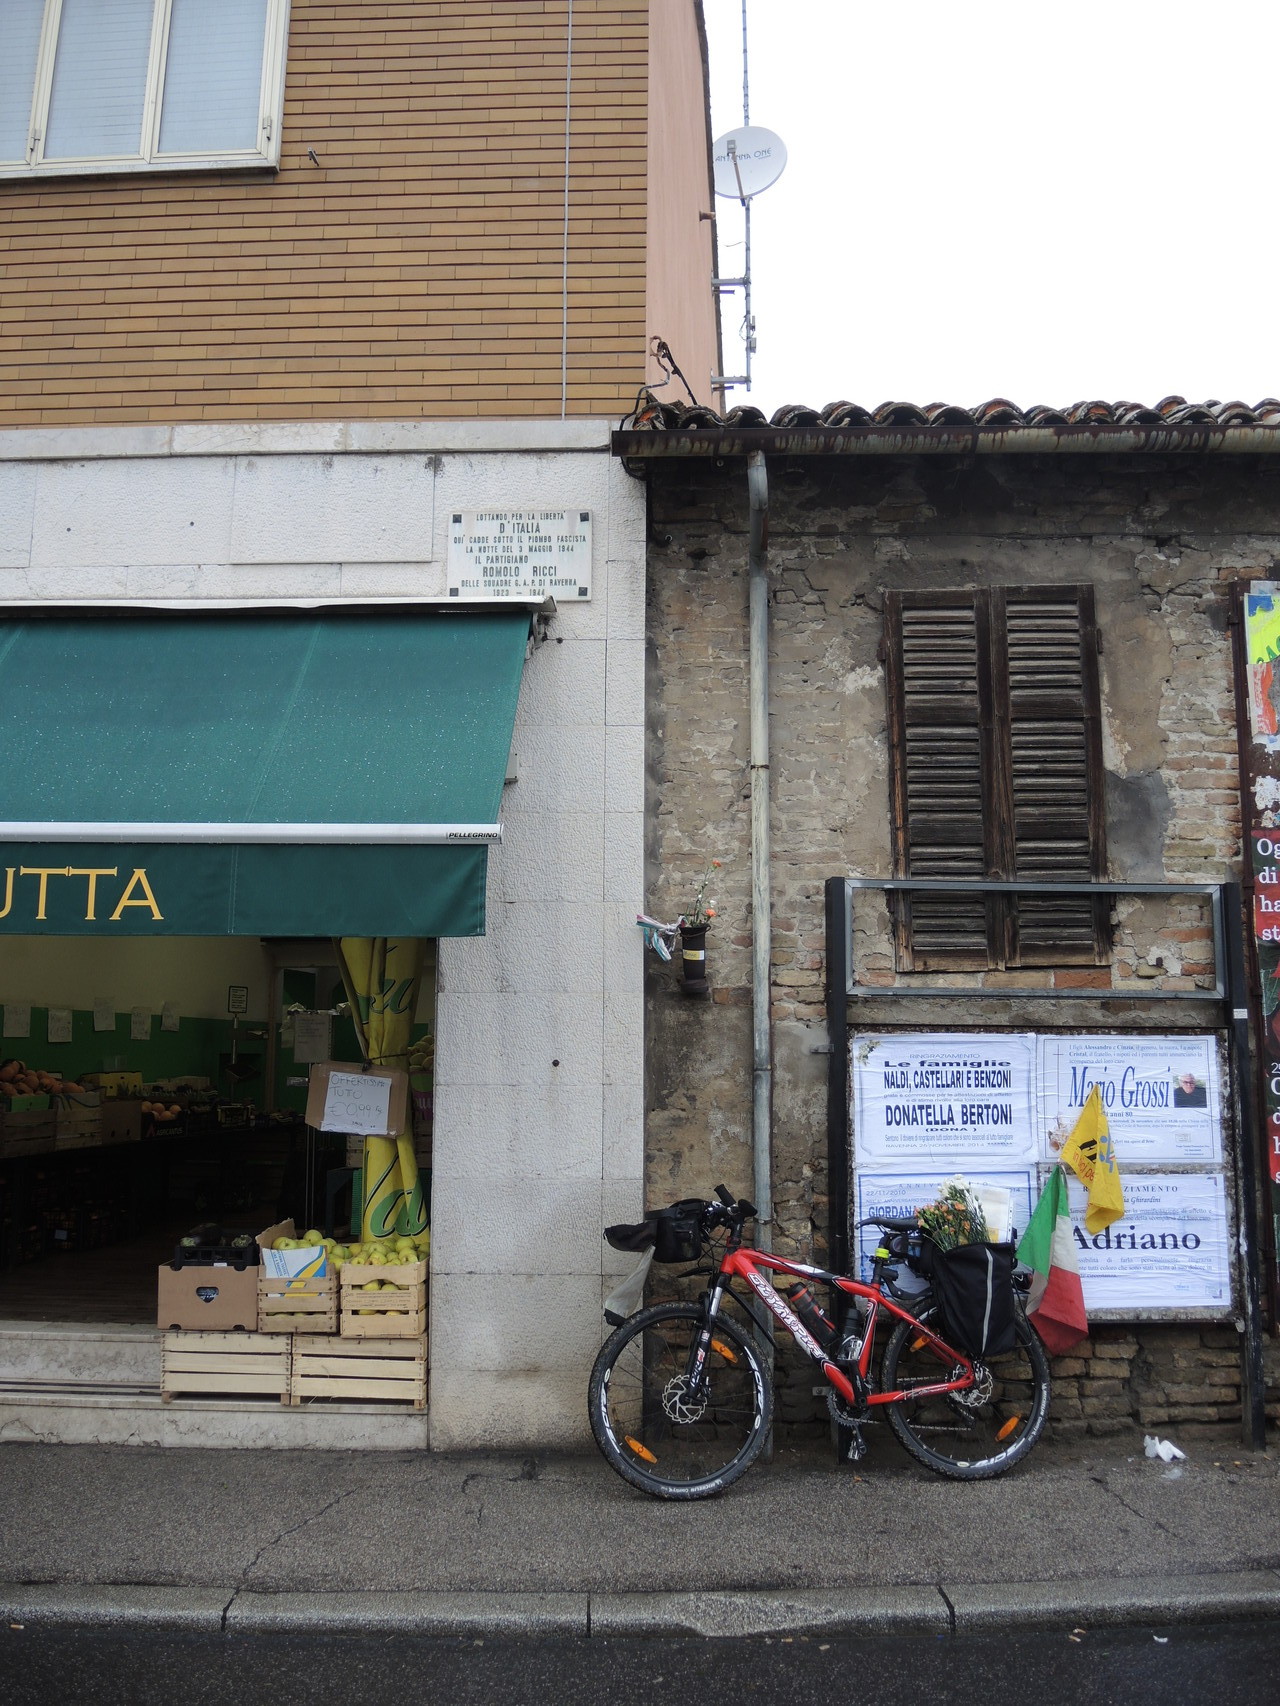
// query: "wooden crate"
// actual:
[[30, 1132], [245, 1364], [399, 1314], [390, 1370], [297, 1306], [78, 1128]]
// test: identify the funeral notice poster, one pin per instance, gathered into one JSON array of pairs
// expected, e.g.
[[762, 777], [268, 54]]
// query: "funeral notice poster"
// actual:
[[897, 1195], [1170, 1249], [944, 1099], [1162, 1095]]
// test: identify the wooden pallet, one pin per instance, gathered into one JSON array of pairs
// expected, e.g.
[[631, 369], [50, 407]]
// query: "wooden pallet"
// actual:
[[297, 1306], [398, 1314], [389, 1370], [245, 1364]]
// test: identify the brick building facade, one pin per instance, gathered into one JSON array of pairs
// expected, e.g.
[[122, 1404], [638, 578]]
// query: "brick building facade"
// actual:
[[1157, 535], [477, 211]]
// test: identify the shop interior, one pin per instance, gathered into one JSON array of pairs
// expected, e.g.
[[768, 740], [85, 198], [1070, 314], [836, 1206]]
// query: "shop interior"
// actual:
[[195, 1054]]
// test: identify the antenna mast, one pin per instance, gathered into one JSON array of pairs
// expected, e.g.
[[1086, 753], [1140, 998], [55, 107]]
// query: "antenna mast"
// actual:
[[746, 161]]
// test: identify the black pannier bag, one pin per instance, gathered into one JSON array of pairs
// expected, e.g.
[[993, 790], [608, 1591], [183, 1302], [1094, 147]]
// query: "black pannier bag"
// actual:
[[973, 1288], [675, 1233]]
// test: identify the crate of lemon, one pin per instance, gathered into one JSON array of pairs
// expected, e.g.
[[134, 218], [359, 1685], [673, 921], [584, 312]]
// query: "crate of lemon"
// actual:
[[383, 1291]]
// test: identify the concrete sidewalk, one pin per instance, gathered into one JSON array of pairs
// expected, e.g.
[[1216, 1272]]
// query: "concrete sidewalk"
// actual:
[[556, 1544]]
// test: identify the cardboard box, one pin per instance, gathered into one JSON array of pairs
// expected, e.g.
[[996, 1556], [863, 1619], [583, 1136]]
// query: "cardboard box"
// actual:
[[114, 1083], [121, 1122], [384, 1105], [208, 1299]]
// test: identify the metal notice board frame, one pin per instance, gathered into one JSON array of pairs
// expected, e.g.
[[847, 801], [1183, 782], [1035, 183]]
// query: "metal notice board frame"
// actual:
[[1229, 993]]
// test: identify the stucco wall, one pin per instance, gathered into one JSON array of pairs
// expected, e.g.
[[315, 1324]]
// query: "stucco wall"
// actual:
[[680, 305], [539, 1115], [1159, 540]]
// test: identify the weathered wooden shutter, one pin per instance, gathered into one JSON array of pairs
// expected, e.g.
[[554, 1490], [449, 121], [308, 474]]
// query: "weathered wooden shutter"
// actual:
[[937, 656], [1045, 640], [995, 766]]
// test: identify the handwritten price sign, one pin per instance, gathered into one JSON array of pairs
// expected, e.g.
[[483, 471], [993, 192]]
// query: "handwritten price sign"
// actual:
[[359, 1103]]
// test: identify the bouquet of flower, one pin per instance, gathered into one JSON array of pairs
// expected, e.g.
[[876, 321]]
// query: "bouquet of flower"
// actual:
[[956, 1217], [700, 913]]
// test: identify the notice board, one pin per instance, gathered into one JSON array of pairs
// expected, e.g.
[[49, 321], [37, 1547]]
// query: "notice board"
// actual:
[[997, 1107]]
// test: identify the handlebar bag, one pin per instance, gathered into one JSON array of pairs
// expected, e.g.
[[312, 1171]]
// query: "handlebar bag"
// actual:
[[642, 1236], [674, 1234], [973, 1286], [679, 1231]]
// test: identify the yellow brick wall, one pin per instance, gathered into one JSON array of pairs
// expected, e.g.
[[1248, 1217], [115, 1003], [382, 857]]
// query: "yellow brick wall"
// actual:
[[416, 271]]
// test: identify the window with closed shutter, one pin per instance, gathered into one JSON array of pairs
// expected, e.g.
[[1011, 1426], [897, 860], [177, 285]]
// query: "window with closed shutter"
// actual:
[[996, 772]]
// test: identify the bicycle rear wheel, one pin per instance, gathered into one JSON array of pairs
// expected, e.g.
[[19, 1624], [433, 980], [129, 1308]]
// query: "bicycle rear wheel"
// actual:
[[662, 1435], [972, 1435]]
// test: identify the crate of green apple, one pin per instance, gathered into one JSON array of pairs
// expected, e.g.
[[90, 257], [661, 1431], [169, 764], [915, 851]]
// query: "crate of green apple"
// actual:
[[382, 1282]]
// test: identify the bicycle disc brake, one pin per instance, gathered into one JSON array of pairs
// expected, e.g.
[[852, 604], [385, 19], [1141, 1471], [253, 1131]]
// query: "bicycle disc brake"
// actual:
[[975, 1396], [682, 1402]]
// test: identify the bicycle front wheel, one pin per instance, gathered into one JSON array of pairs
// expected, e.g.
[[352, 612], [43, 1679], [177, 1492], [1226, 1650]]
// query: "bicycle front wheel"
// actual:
[[663, 1432], [971, 1435]]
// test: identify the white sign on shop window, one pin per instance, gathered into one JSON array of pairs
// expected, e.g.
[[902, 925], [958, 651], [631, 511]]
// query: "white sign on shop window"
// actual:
[[947, 1099], [520, 553]]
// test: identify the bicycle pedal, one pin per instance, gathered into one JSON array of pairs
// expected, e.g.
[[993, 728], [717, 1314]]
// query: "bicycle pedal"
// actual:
[[857, 1447]]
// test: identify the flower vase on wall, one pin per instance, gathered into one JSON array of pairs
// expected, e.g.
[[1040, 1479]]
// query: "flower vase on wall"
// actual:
[[693, 961]]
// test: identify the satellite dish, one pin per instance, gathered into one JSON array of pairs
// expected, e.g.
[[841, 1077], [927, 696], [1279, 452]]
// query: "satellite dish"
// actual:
[[747, 160]]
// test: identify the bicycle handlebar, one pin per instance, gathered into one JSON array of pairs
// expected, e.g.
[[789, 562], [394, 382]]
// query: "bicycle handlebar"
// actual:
[[728, 1212]]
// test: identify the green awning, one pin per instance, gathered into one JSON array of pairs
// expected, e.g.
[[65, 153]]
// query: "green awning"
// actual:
[[302, 772]]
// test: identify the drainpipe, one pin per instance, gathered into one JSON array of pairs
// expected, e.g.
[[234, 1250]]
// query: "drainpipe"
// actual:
[[761, 904]]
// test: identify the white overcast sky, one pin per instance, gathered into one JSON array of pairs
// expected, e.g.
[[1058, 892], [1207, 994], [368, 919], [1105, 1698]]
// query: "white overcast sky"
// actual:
[[1046, 200]]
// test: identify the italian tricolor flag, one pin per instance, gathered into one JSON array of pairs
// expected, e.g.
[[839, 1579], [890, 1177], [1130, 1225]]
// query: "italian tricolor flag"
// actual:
[[1056, 1305]]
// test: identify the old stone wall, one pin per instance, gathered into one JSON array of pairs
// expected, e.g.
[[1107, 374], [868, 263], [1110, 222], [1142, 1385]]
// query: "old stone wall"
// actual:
[[1160, 539]]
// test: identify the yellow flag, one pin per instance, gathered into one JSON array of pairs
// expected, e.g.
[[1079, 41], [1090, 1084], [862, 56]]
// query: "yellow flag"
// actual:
[[1091, 1158]]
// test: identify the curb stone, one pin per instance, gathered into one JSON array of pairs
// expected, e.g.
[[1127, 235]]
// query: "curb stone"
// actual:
[[1111, 1601], [805, 1611], [70, 1604], [511, 1615], [943, 1610]]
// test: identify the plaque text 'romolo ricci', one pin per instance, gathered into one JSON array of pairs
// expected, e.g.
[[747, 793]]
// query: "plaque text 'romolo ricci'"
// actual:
[[520, 553]]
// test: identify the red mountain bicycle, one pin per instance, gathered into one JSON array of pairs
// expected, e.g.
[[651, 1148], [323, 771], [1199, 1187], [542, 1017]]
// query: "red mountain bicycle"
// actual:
[[680, 1401]]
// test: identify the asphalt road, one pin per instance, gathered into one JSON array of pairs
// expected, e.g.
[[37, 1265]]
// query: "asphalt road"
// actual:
[[1233, 1664]]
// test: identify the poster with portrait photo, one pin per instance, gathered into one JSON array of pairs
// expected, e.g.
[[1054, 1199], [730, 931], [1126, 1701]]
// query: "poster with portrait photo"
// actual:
[[946, 1099], [1162, 1095]]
